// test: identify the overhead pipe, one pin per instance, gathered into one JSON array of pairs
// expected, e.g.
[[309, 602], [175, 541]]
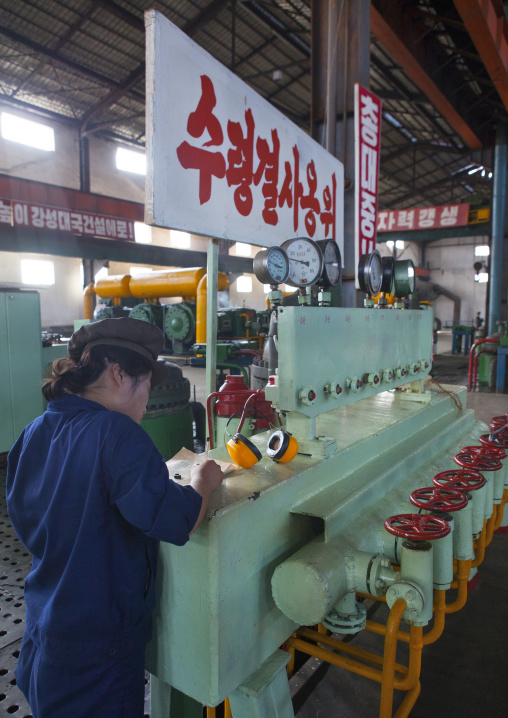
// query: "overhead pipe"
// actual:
[[88, 295], [201, 304]]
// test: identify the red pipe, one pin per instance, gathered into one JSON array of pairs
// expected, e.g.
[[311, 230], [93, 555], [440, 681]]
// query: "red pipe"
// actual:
[[475, 366], [471, 359]]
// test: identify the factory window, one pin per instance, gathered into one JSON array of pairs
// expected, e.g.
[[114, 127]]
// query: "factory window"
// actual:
[[483, 277], [482, 250], [130, 161], [242, 249], [33, 134], [37, 271], [101, 274], [135, 271], [142, 233], [180, 240], [266, 288], [399, 244], [244, 284]]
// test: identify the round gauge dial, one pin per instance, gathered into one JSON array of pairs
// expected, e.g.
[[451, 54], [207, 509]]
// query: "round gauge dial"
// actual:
[[305, 261], [271, 266], [387, 283], [404, 278], [332, 262], [370, 273]]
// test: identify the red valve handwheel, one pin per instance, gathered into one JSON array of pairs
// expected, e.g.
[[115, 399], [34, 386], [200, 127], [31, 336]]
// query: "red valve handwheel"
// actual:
[[472, 460], [496, 441], [417, 527], [499, 421], [461, 479], [438, 498], [494, 452]]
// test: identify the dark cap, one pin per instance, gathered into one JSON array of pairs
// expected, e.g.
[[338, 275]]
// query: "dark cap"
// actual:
[[141, 337]]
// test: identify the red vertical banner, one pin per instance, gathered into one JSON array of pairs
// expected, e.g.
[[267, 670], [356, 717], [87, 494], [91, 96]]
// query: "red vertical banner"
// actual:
[[367, 152]]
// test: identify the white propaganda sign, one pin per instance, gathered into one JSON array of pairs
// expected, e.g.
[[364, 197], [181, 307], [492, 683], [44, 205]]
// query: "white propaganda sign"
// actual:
[[367, 151], [221, 161]]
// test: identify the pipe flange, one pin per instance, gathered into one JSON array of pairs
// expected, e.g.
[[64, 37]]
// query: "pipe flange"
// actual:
[[412, 595], [346, 622]]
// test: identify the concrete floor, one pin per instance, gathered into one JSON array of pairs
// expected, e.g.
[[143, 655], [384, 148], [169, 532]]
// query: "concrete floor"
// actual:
[[464, 673]]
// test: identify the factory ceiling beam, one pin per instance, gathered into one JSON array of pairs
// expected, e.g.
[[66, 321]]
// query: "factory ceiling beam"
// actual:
[[40, 49], [134, 79], [21, 239], [486, 24], [208, 13], [402, 37], [433, 235], [190, 28], [73, 30]]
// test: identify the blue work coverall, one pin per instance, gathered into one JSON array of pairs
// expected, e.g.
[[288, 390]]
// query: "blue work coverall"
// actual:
[[89, 496]]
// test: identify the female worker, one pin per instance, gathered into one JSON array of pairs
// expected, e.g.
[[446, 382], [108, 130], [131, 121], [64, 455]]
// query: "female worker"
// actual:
[[89, 496]]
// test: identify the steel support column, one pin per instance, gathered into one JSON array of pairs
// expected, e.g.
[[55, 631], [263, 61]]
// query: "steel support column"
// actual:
[[496, 246], [340, 57]]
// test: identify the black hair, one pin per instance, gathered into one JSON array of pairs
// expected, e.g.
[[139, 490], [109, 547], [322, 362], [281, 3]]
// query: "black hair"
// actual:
[[70, 376]]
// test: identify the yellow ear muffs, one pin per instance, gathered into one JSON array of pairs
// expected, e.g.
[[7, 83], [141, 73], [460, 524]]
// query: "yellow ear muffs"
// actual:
[[242, 451], [281, 446]]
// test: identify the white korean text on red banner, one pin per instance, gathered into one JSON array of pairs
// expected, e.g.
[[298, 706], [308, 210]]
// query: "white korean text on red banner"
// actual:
[[367, 150], [25, 214], [222, 161], [446, 215]]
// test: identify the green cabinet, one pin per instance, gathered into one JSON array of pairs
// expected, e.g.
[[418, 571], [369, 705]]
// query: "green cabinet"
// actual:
[[20, 363]]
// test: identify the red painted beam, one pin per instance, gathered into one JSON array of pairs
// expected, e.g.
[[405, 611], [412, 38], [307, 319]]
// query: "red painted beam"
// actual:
[[486, 24], [55, 196], [403, 56]]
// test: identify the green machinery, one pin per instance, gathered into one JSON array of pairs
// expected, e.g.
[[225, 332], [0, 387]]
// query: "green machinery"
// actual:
[[24, 359], [178, 321], [290, 544], [169, 418]]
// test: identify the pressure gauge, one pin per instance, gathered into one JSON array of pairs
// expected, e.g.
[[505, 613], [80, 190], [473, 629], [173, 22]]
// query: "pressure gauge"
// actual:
[[271, 266], [370, 273], [387, 283], [404, 278], [305, 261], [332, 262]]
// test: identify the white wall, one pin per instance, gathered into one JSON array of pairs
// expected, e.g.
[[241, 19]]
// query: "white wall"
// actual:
[[451, 265], [62, 302]]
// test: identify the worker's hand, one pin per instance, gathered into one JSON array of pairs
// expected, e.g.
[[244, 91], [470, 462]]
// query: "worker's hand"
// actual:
[[206, 477]]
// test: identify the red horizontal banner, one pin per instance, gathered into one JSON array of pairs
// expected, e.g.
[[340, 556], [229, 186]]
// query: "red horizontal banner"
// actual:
[[446, 215], [35, 216]]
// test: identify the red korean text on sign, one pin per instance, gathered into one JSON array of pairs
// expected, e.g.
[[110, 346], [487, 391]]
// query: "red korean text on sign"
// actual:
[[269, 168], [241, 172], [210, 164]]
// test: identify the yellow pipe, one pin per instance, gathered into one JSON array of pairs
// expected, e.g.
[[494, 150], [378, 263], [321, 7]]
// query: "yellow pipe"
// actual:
[[500, 510], [222, 283], [291, 665], [211, 712], [117, 285], [409, 700], [348, 648], [389, 656], [88, 294], [490, 526], [463, 571], [429, 637], [480, 547], [227, 709], [167, 283]]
